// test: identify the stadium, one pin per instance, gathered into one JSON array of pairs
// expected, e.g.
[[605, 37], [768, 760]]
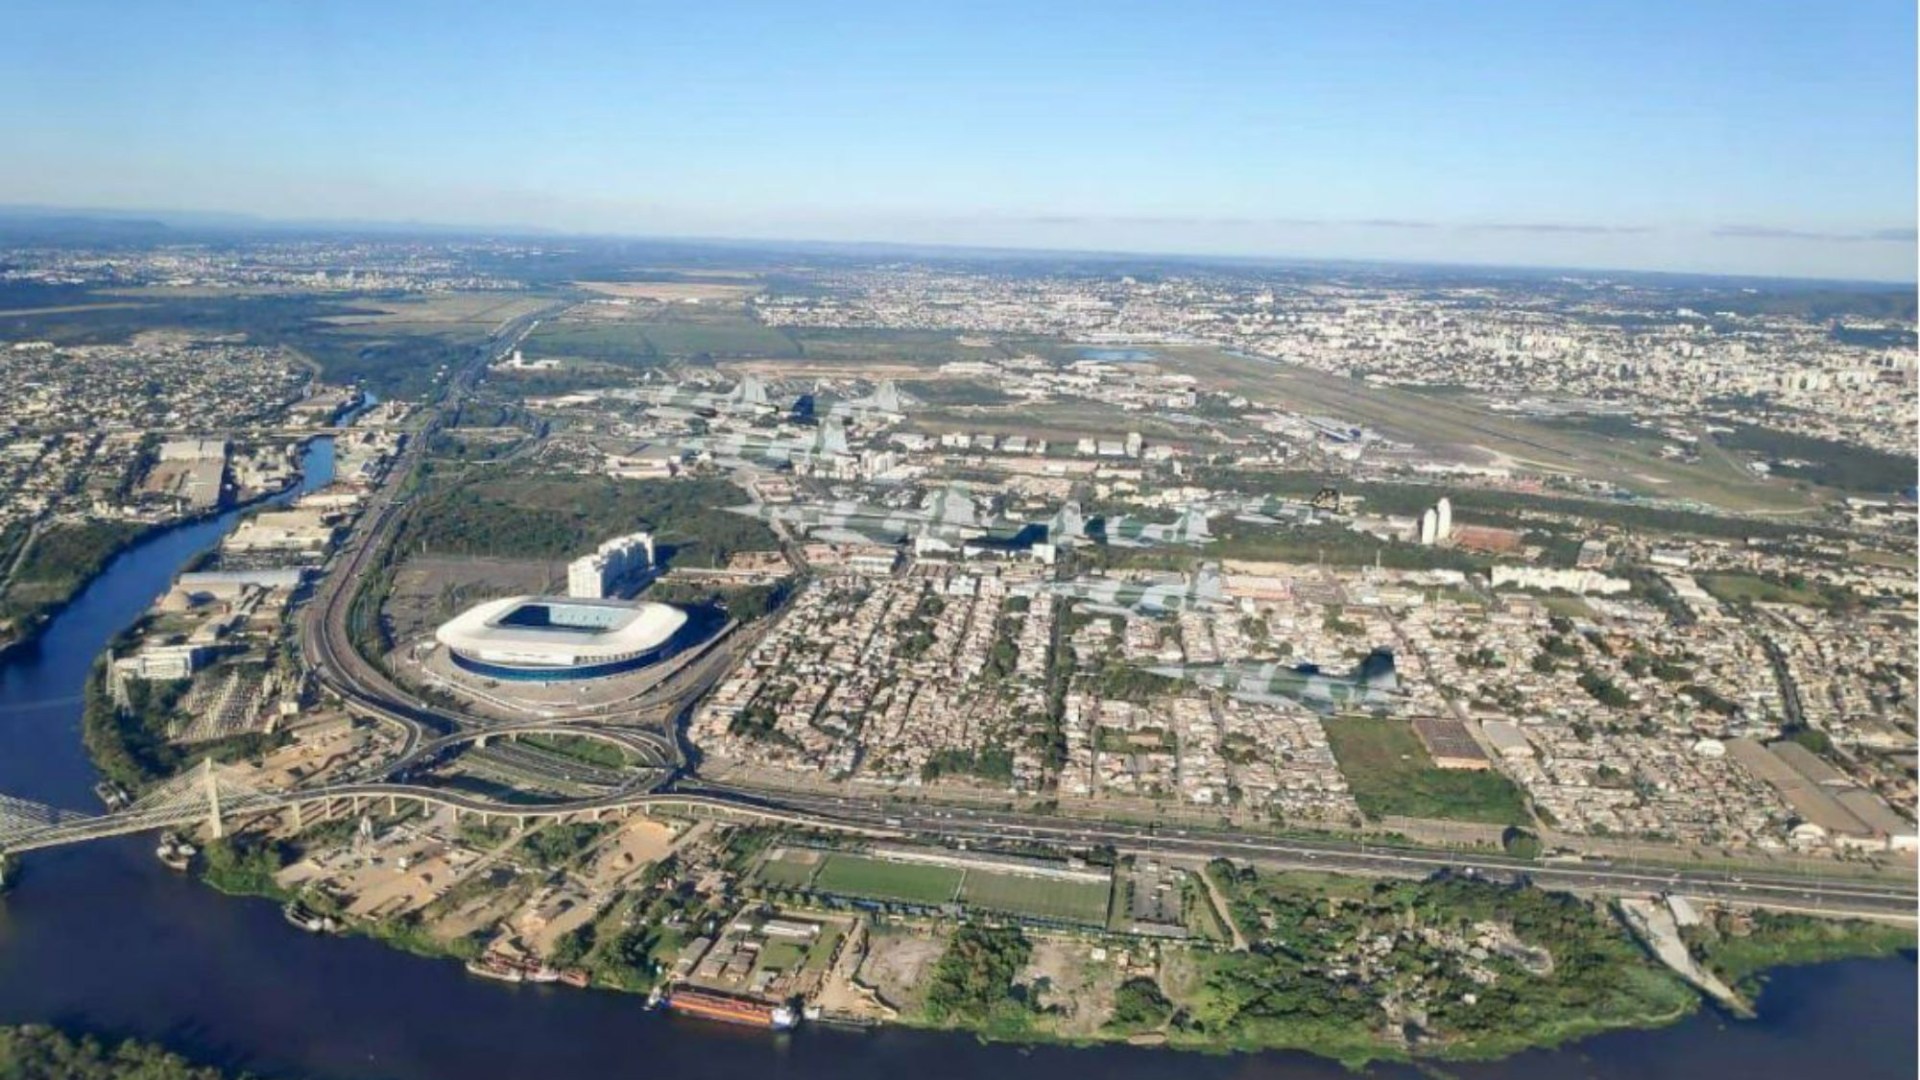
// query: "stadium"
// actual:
[[558, 639]]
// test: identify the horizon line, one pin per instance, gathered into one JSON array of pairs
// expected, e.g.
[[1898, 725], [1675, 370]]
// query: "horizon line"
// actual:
[[183, 219]]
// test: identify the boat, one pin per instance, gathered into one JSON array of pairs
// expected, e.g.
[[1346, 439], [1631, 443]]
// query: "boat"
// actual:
[[175, 852], [730, 1009], [493, 967], [541, 973], [309, 920]]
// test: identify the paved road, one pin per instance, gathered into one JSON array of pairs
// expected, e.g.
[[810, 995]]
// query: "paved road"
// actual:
[[1755, 888]]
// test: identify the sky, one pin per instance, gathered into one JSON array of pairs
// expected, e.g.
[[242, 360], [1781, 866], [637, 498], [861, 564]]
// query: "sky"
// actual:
[[1691, 135]]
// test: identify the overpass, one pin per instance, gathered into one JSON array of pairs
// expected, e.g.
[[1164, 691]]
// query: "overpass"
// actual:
[[212, 796]]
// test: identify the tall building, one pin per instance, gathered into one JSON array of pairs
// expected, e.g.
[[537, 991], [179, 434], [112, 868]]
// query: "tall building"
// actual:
[[1443, 524], [1429, 527], [592, 577]]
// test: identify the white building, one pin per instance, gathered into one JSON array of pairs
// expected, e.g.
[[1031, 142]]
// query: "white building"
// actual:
[[1443, 519], [592, 577]]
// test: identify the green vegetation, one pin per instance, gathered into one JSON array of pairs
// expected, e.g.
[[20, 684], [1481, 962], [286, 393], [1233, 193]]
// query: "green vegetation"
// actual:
[[1603, 690], [1826, 462], [1563, 969], [244, 866], [1139, 1005], [557, 845], [1520, 843], [503, 513], [972, 984], [35, 1052], [644, 344], [993, 764], [1763, 589], [1741, 948], [1391, 774], [58, 565]]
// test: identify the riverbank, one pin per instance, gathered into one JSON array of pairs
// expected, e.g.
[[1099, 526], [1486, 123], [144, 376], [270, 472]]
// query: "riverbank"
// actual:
[[38, 1052]]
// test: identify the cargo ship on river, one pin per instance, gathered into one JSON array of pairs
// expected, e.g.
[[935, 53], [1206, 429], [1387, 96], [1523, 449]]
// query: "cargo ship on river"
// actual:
[[730, 1009]]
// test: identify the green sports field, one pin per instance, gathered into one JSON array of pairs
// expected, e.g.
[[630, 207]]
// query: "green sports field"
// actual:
[[1052, 898], [857, 875]]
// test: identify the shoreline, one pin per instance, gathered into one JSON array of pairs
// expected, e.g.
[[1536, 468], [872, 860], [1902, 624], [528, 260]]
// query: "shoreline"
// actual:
[[35, 625], [1859, 941]]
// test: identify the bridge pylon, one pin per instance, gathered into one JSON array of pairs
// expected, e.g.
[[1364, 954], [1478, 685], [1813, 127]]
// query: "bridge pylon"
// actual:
[[214, 824]]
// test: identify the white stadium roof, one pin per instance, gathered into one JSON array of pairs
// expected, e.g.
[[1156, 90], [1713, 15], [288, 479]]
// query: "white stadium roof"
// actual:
[[559, 631]]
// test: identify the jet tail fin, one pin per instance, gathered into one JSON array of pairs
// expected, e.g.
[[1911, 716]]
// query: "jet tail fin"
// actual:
[[1067, 524], [833, 438], [751, 392], [1193, 525]]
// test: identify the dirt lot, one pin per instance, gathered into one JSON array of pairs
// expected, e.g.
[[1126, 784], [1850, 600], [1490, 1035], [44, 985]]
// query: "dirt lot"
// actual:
[[429, 590], [898, 963], [1066, 977], [640, 841]]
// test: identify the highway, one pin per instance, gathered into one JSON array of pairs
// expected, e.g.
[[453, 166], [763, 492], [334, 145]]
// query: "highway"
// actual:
[[1755, 888]]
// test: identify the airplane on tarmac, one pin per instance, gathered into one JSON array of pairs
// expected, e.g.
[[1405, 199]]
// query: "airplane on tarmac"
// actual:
[[1127, 531], [1117, 597], [762, 450], [1372, 684], [749, 398]]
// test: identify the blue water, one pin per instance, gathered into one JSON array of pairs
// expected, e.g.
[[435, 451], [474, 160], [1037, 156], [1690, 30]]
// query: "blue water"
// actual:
[[1116, 356]]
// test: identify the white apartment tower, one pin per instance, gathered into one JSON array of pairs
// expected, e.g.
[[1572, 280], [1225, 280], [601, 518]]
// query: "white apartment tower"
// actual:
[[592, 577]]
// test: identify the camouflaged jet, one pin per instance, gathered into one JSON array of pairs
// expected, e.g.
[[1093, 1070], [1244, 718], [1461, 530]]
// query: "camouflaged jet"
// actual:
[[749, 398], [949, 514], [1373, 684], [1276, 510], [886, 405], [1115, 597], [762, 450], [1128, 531]]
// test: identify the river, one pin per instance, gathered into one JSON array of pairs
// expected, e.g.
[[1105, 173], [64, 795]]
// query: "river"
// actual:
[[102, 938]]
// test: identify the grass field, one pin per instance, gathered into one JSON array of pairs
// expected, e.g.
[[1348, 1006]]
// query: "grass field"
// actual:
[[846, 874], [1392, 775], [790, 870], [1053, 898], [637, 341], [1734, 588], [857, 875]]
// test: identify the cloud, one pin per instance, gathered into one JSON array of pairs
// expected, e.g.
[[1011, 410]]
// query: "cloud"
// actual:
[[1897, 235], [1553, 227], [1393, 223], [1176, 220]]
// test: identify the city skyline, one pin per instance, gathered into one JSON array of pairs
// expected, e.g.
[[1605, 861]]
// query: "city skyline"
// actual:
[[1768, 142]]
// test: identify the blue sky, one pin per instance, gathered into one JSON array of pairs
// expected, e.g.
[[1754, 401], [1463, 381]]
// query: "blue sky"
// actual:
[[1751, 137]]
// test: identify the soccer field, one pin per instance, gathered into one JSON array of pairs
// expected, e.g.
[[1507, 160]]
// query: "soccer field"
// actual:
[[790, 869], [857, 875], [1052, 898]]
